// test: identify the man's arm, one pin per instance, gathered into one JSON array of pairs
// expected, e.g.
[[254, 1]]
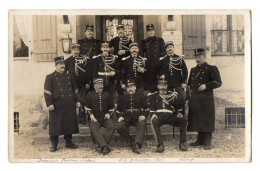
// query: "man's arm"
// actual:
[[162, 47], [215, 79], [184, 72], [48, 90]]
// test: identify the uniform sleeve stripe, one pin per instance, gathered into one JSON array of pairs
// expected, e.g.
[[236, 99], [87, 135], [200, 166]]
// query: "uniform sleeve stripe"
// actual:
[[47, 92]]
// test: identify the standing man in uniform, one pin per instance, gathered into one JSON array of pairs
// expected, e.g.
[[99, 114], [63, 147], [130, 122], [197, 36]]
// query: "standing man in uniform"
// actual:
[[89, 46], [132, 111], [202, 80], [100, 107], [80, 69], [152, 48], [134, 67], [105, 66], [120, 47], [174, 70], [61, 94], [166, 107]]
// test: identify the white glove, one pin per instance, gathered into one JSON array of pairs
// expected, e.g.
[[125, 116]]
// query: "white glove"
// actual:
[[107, 116], [120, 119], [141, 118], [93, 119], [51, 107]]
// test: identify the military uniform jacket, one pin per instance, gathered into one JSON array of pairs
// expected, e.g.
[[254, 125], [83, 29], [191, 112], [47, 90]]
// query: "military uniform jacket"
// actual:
[[80, 69], [201, 103], [103, 65], [99, 104], [121, 44], [61, 91], [129, 70], [90, 47], [152, 48], [132, 106], [175, 70], [165, 104]]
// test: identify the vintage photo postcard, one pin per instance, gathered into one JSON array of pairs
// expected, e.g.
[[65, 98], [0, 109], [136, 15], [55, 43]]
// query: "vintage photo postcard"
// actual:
[[153, 86]]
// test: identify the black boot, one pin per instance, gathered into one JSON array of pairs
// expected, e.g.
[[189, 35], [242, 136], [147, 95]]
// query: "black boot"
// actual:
[[137, 148], [69, 144], [183, 146], [199, 140], [105, 150], [160, 148], [54, 146]]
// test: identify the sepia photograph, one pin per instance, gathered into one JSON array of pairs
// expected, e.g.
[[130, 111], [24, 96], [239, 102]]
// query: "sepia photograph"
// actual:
[[123, 86]]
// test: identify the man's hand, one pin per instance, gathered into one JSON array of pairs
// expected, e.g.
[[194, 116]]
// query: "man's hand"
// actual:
[[140, 69], [112, 73], [154, 116], [183, 86], [123, 86], [51, 107], [179, 115], [107, 116], [162, 77], [141, 118], [87, 86], [121, 52], [120, 119], [93, 119], [202, 87]]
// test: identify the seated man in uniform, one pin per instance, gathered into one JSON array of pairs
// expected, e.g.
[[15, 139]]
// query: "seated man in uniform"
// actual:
[[132, 110], [166, 108], [100, 105]]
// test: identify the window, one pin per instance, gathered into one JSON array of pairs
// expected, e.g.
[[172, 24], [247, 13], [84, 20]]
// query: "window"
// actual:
[[227, 34], [111, 23], [21, 37], [16, 122], [235, 117]]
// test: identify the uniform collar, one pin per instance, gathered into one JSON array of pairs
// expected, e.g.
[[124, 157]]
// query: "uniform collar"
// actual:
[[202, 65]]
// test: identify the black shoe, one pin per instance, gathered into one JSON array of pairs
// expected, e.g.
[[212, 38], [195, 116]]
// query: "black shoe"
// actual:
[[106, 150], [183, 146], [137, 149], [70, 145], [196, 143], [160, 148]]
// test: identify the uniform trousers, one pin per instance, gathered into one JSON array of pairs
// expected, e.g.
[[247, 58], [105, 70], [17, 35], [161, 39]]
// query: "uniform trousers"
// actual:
[[102, 137], [122, 129], [55, 139], [169, 119]]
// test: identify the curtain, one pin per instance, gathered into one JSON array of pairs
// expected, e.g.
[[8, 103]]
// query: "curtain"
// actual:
[[22, 26]]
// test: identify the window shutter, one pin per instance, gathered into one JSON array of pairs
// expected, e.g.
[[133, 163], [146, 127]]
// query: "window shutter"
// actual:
[[44, 37]]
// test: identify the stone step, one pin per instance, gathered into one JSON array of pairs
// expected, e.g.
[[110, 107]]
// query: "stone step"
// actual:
[[43, 138]]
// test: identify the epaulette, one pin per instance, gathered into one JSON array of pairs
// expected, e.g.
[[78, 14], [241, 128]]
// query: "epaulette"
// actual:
[[94, 57], [161, 58], [149, 94], [125, 58]]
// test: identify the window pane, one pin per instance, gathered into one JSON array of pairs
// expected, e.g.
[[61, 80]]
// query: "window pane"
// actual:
[[219, 42]]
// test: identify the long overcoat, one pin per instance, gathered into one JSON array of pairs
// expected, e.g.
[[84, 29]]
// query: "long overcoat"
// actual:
[[201, 115], [61, 91]]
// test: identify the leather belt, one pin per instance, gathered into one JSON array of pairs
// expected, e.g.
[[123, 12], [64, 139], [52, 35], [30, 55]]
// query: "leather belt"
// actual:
[[164, 111]]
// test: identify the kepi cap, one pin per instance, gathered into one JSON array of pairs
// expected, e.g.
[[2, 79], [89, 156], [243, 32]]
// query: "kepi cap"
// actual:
[[150, 27], [89, 27], [59, 59], [133, 44], [199, 51]]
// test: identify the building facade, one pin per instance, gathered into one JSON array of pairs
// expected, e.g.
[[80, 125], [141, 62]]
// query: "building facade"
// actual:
[[221, 35]]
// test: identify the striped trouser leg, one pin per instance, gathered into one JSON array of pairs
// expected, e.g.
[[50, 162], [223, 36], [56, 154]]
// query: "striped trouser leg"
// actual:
[[155, 124]]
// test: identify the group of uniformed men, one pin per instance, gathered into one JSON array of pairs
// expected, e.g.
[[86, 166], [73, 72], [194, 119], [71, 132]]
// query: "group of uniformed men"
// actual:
[[118, 84]]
